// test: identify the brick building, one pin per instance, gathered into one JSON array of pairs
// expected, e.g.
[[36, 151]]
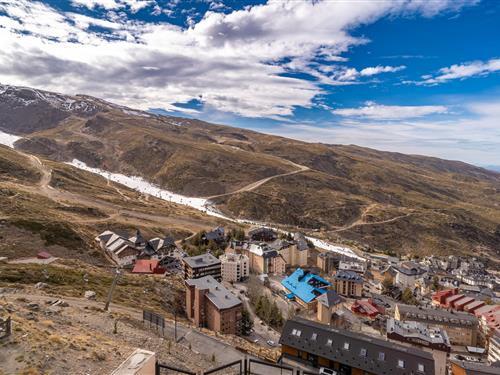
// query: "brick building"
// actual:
[[209, 304]]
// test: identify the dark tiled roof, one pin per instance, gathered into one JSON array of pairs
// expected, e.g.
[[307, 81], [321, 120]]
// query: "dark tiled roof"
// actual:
[[330, 298], [477, 368], [355, 349], [437, 316], [349, 276]]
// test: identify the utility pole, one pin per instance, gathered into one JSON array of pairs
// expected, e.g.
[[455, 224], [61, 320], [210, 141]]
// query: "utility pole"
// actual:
[[113, 285]]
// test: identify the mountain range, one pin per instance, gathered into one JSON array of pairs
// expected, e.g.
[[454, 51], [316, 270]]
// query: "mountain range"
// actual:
[[380, 201]]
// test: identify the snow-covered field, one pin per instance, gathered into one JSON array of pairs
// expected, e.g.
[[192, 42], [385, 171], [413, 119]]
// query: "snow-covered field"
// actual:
[[8, 139]]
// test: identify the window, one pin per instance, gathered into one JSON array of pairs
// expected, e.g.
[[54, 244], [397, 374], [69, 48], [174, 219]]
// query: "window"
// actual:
[[329, 342], [381, 356], [314, 336], [294, 332], [299, 332], [362, 352], [421, 368], [401, 363], [346, 345]]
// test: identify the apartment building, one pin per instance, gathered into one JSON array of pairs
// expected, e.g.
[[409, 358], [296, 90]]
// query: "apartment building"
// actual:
[[235, 267], [348, 352], [348, 284], [462, 328], [209, 304], [202, 265]]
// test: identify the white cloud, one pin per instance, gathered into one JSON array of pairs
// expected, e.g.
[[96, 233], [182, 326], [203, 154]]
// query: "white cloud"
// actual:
[[475, 140], [370, 71], [375, 111], [134, 5], [462, 71], [233, 61]]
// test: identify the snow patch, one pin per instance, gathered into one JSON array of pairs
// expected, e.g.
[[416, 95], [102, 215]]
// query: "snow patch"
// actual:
[[8, 139], [201, 204]]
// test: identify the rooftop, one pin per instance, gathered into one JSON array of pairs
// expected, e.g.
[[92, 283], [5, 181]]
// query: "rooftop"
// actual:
[[349, 276], [305, 285], [203, 260], [410, 269], [217, 293], [330, 298], [368, 353], [418, 331], [438, 316]]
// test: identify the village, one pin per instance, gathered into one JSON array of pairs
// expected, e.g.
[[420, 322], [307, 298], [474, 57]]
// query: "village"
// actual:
[[323, 310]]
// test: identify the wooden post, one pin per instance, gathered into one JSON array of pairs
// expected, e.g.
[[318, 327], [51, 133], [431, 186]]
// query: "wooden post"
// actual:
[[113, 285]]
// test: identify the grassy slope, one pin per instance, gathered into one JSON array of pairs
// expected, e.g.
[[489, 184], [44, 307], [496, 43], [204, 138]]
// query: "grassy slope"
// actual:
[[450, 205], [81, 206]]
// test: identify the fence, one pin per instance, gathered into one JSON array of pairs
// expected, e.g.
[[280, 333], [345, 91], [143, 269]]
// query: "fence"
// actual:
[[155, 321], [241, 367]]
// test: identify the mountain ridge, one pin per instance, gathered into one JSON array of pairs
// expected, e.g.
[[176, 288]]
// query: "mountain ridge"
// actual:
[[377, 199]]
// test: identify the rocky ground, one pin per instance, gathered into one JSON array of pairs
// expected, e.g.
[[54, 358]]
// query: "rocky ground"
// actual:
[[75, 336]]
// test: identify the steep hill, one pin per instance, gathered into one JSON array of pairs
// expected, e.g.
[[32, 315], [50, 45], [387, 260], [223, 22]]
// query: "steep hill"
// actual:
[[53, 206], [386, 201]]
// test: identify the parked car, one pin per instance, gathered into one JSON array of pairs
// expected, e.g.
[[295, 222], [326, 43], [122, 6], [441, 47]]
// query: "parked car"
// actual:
[[327, 371], [271, 343]]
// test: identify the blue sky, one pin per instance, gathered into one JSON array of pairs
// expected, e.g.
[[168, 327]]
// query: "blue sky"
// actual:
[[420, 77]]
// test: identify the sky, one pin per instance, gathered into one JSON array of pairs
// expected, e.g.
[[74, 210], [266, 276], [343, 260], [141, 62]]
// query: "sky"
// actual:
[[412, 76]]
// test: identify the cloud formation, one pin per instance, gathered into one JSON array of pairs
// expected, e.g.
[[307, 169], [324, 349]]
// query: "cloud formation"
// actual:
[[376, 111], [244, 62], [462, 71], [474, 139]]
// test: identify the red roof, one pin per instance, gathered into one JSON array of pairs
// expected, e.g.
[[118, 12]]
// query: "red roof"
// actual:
[[147, 266], [43, 255], [365, 307], [464, 301], [473, 306], [450, 301], [441, 295]]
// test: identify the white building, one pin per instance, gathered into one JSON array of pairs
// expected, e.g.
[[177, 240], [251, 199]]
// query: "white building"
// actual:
[[235, 267], [494, 347], [407, 273]]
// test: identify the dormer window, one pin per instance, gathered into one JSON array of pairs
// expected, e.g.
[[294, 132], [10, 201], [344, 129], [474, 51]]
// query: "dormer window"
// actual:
[[401, 363], [329, 342], [362, 352], [314, 336], [346, 345], [381, 356], [421, 368]]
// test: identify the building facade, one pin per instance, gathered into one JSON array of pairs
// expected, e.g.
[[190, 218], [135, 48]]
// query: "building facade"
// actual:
[[462, 328], [209, 304], [347, 352], [202, 265], [407, 273], [328, 304], [349, 284], [235, 267]]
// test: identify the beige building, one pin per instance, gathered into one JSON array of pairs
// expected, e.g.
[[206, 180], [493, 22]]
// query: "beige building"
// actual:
[[297, 254], [235, 267], [263, 259], [348, 284], [209, 304], [462, 328], [328, 304]]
